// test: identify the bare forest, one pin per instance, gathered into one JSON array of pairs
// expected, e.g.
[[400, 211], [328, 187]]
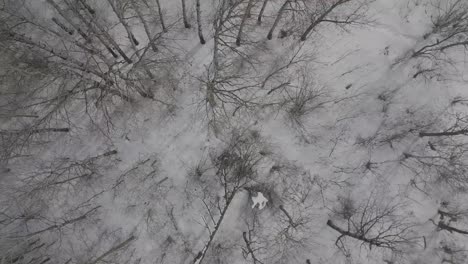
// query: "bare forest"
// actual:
[[233, 131]]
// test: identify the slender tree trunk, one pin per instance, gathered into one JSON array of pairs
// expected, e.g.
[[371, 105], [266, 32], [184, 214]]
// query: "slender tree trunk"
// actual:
[[200, 32], [112, 250], [148, 93], [353, 235], [441, 225], [104, 33], [244, 19], [66, 17], [441, 134], [260, 15], [97, 34], [201, 255], [89, 8], [278, 18], [121, 18], [161, 18], [62, 26], [249, 11], [77, 43], [184, 15], [145, 26], [36, 131], [64, 223], [321, 18], [77, 64], [218, 25]]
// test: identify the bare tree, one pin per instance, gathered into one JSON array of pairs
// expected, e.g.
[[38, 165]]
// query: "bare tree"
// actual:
[[447, 218], [98, 30], [65, 16], [62, 26], [326, 10], [112, 250], [279, 15], [303, 99], [25, 251], [441, 159], [235, 170], [374, 223], [48, 179], [450, 28], [65, 69], [160, 14], [184, 15], [119, 12], [63, 13], [199, 23], [142, 19], [262, 10], [228, 88], [242, 24]]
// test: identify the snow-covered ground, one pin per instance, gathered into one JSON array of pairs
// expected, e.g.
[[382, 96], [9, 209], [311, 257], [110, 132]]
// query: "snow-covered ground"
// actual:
[[171, 194]]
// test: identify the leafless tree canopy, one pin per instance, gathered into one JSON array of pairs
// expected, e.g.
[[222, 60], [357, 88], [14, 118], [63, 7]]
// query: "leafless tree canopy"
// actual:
[[233, 131]]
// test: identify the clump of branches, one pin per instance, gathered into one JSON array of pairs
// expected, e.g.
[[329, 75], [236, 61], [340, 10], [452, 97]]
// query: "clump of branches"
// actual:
[[59, 198], [228, 83], [449, 33], [374, 223], [59, 183], [51, 178], [450, 28], [303, 99], [342, 13], [74, 49], [310, 14], [236, 80], [442, 159], [30, 250], [452, 253], [449, 219], [397, 127]]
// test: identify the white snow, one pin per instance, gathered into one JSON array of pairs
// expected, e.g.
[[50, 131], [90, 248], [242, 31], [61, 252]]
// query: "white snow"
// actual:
[[329, 146]]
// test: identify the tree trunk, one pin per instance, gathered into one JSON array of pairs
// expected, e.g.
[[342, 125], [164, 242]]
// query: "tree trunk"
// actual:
[[112, 250], [353, 235], [145, 26], [76, 64], [121, 18], [321, 18], [39, 131], [62, 26], [441, 225], [97, 34], [161, 18], [278, 18], [259, 19], [200, 32], [184, 15], [201, 255], [244, 18], [95, 23], [66, 17], [90, 10], [441, 134]]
